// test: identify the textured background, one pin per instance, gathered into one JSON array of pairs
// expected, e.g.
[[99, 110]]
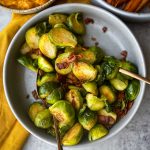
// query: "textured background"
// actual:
[[136, 135]]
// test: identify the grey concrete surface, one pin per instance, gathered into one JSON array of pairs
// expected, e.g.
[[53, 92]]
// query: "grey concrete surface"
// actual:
[[136, 135]]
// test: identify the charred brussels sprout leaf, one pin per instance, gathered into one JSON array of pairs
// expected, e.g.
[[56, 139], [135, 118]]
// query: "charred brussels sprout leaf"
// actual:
[[84, 71], [91, 87], [94, 103], [132, 90], [32, 38], [47, 47], [63, 112], [75, 98], [43, 119], [25, 49], [108, 92], [97, 132], [57, 19], [34, 109], [44, 64], [27, 62], [87, 118], [62, 37], [73, 136]]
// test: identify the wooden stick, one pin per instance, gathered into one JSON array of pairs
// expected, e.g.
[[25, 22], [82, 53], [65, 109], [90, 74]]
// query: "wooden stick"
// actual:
[[133, 75], [142, 4]]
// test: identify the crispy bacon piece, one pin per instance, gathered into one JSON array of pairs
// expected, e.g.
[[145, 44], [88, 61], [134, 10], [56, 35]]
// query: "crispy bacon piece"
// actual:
[[35, 94], [132, 5], [106, 120], [124, 54], [89, 20]]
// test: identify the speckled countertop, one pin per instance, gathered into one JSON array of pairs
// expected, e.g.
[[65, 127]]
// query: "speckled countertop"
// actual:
[[136, 135]]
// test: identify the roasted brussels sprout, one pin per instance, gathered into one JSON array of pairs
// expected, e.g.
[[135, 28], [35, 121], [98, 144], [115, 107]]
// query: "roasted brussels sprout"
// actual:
[[75, 98], [132, 90], [63, 112], [110, 67], [34, 109], [108, 92], [94, 103], [25, 49], [87, 118], [60, 25], [62, 37], [32, 38], [46, 88], [97, 132], [27, 62], [91, 87], [76, 24], [45, 65], [47, 47], [84, 71], [119, 83], [57, 19], [106, 118], [73, 136], [127, 65], [43, 119], [47, 77], [55, 95]]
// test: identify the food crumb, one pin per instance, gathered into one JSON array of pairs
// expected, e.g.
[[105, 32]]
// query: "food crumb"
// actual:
[[124, 54], [89, 20], [96, 43], [93, 38], [104, 29], [27, 96]]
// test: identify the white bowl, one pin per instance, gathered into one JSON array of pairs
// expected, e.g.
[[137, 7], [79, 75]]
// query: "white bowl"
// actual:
[[19, 82]]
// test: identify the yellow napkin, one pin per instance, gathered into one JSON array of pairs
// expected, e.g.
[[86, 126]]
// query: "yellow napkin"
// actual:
[[12, 134]]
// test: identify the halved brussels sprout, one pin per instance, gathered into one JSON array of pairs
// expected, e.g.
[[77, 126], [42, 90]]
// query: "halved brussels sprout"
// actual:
[[87, 118], [64, 112], [132, 90], [55, 95], [62, 65], [106, 118], [25, 49], [94, 103], [60, 25], [47, 47], [73, 136], [91, 87], [76, 23], [97, 132], [47, 78], [75, 98], [32, 38], [45, 65], [27, 62], [127, 65], [108, 92], [43, 119], [34, 109], [119, 83], [46, 88], [62, 37], [57, 19], [84, 71], [110, 66]]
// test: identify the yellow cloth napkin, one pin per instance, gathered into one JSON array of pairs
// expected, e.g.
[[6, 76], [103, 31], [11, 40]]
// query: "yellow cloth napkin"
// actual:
[[12, 134]]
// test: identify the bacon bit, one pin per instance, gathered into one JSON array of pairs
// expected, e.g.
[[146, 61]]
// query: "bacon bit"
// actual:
[[40, 72], [121, 96], [89, 20], [124, 54], [129, 105], [96, 43], [35, 94], [106, 120], [93, 38], [72, 58], [104, 29], [63, 65]]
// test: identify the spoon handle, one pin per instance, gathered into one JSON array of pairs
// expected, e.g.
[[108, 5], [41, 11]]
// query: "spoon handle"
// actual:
[[133, 75]]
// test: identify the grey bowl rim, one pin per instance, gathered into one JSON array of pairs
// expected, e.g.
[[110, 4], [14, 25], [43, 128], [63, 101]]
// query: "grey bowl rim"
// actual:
[[5, 85]]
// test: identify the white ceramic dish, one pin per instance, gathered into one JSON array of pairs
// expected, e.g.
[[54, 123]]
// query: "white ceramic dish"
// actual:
[[19, 82]]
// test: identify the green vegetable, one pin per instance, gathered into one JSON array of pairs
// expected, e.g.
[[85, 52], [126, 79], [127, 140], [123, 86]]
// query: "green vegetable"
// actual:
[[47, 47], [107, 91], [73, 136], [80, 39], [43, 119], [62, 37], [45, 65], [91, 87], [60, 25], [132, 90], [94, 103], [75, 98], [97, 132], [34, 109], [84, 71], [87, 118], [25, 49]]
